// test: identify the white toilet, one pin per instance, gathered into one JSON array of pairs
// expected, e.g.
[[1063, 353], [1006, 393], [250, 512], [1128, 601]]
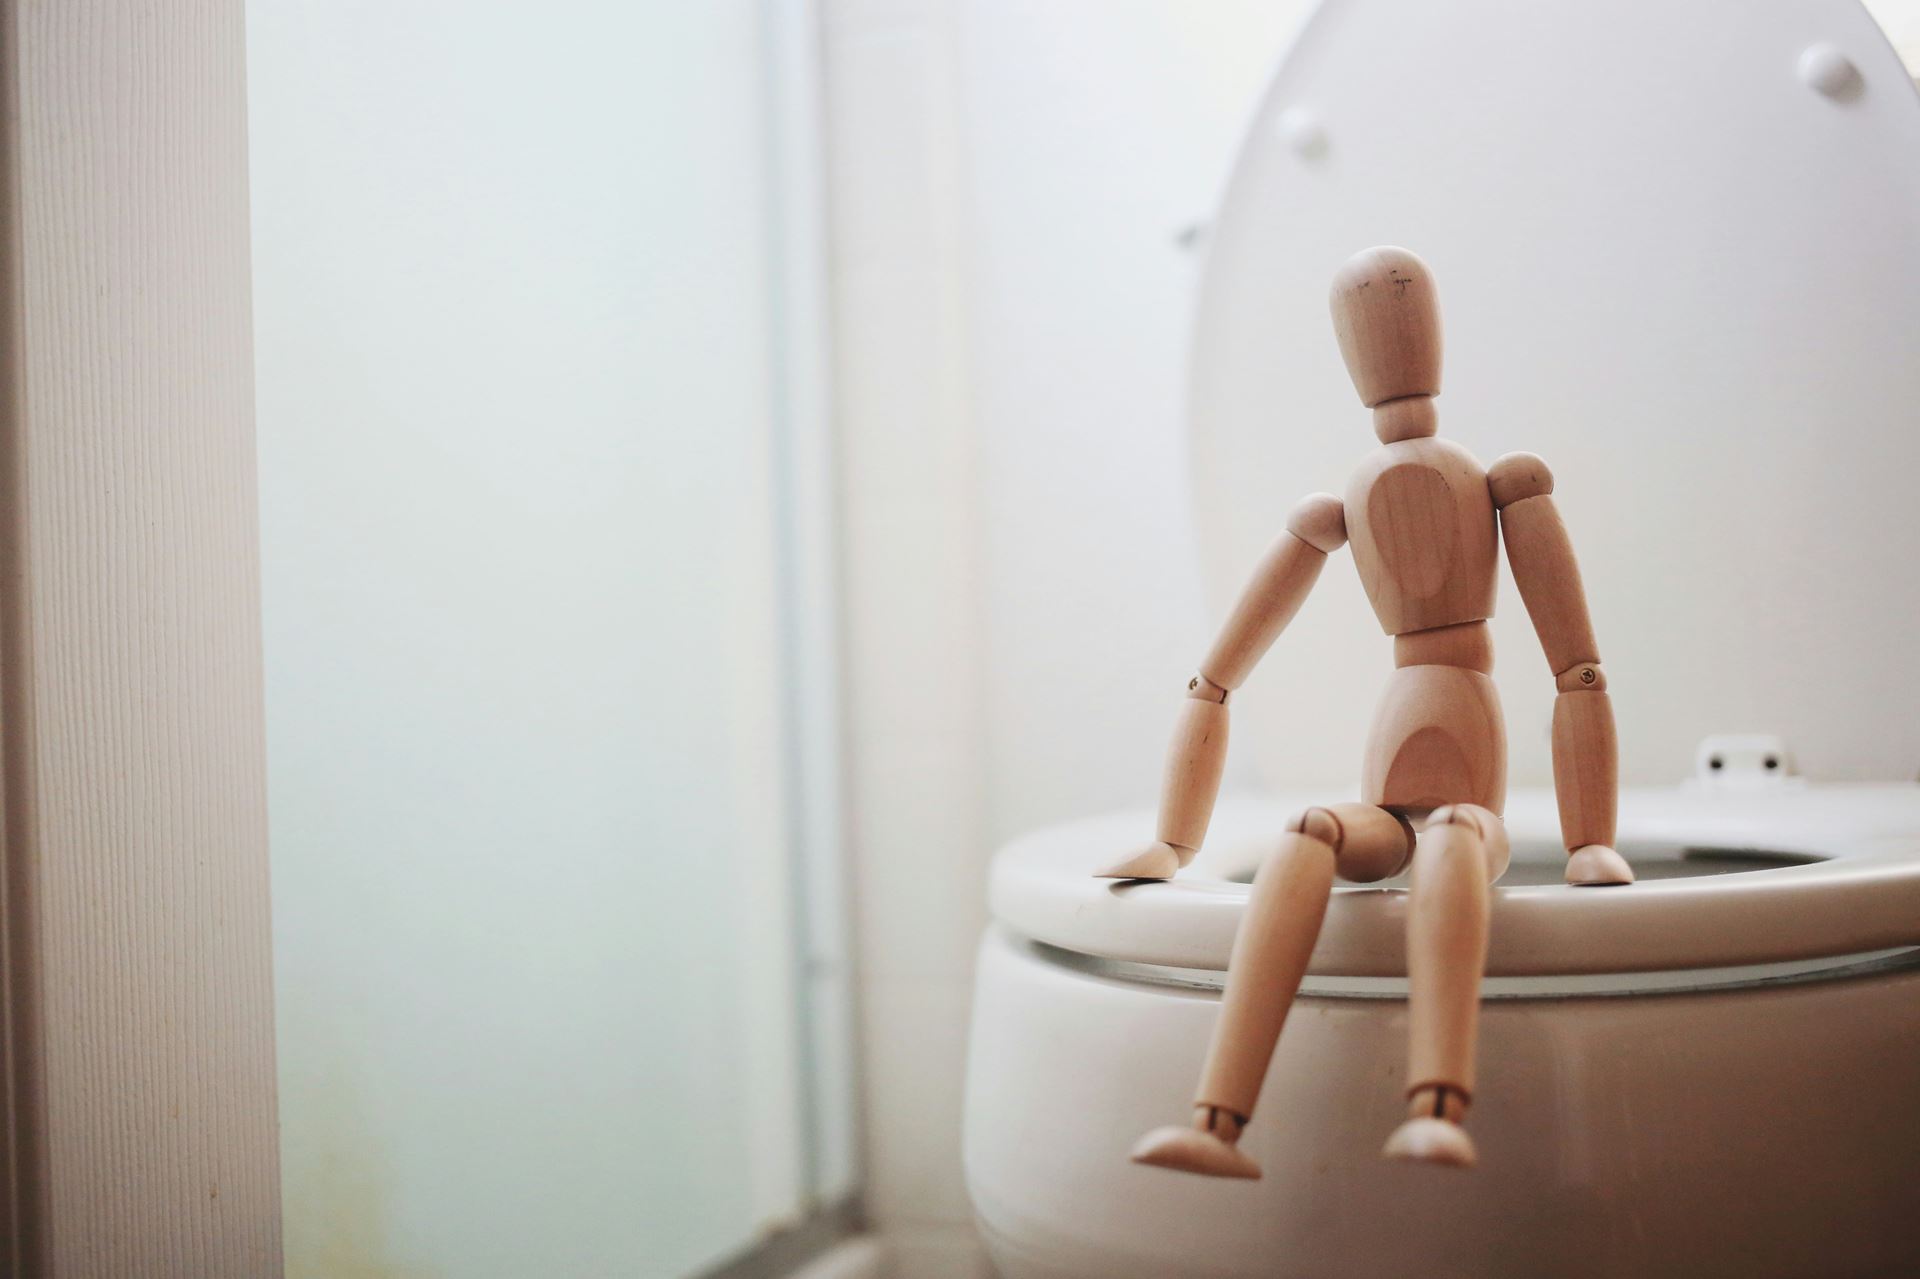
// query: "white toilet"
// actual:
[[1688, 234]]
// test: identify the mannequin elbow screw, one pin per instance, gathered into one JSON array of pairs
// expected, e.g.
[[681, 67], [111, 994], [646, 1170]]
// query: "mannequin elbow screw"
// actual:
[[1581, 677], [1200, 688]]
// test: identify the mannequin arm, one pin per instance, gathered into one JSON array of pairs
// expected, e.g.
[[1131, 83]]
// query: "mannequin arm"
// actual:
[[1586, 767], [1199, 752]]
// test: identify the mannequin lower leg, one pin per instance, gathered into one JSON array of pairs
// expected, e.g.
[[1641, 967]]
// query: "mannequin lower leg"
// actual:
[[1463, 847], [1270, 955]]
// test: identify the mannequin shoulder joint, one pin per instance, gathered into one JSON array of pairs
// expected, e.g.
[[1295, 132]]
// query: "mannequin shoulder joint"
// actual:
[[1518, 476], [1320, 521]]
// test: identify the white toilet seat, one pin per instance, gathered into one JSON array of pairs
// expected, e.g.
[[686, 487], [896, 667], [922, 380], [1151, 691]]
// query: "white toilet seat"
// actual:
[[1861, 895]]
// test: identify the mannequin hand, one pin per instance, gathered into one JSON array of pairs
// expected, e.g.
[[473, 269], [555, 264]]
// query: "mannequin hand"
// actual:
[[1596, 865], [1156, 861]]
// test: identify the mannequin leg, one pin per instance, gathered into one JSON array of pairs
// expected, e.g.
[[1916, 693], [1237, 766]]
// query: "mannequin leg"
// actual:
[[1461, 851], [1270, 954]]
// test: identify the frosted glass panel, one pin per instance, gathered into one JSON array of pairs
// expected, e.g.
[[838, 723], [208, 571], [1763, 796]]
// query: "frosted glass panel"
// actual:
[[529, 811]]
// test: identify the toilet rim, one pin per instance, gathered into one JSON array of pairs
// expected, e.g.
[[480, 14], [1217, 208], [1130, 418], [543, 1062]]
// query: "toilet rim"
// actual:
[[1860, 897]]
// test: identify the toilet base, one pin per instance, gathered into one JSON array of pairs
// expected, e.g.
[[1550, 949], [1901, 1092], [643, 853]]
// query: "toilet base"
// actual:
[[1615, 1132]]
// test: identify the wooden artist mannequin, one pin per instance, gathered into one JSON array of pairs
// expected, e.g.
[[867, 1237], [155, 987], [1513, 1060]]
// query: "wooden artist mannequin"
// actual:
[[1420, 514]]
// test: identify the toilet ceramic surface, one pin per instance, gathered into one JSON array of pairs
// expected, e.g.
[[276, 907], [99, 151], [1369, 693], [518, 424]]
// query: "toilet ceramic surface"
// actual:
[[1730, 878], [1707, 1073]]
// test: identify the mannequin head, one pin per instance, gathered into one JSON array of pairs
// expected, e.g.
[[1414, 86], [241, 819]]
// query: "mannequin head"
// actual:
[[1387, 318]]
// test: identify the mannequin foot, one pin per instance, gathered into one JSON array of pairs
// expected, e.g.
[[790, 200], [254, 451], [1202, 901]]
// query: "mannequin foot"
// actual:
[[1595, 865], [1155, 861], [1206, 1148], [1432, 1134], [1431, 1141]]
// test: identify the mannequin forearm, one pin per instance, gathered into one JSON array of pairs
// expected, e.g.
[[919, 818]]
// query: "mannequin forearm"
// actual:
[[1195, 761], [1586, 761]]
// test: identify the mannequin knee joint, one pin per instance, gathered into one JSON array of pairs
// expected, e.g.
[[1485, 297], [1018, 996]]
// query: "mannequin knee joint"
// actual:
[[1369, 843], [1320, 824], [1486, 826], [1458, 815]]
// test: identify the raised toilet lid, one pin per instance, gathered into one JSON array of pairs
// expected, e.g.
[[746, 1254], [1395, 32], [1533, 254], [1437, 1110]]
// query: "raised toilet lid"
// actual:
[[1668, 265], [1686, 236]]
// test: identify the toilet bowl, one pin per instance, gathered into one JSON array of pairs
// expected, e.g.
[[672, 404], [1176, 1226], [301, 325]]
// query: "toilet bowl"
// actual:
[[1714, 1072], [1685, 234]]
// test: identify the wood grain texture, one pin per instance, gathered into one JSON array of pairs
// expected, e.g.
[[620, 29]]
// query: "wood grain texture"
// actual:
[[1468, 645], [1496, 846], [1412, 417], [1369, 843], [1284, 912], [1438, 738], [1447, 912], [141, 1020], [1514, 477], [1386, 316], [1273, 595], [1421, 524], [1548, 575], [1586, 768], [1195, 761], [1319, 521]]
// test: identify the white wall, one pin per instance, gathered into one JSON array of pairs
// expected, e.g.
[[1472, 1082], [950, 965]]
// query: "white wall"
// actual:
[[530, 877], [1008, 181], [910, 559]]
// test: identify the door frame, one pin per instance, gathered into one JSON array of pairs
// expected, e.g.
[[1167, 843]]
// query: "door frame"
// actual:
[[141, 1131]]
